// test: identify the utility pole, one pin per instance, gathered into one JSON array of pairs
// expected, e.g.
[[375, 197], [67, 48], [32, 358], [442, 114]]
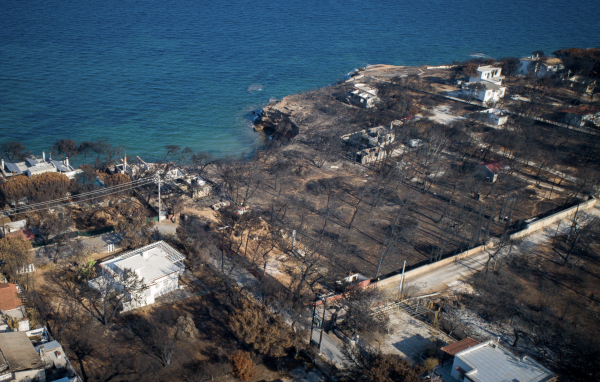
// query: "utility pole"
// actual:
[[159, 198], [322, 322], [312, 324], [402, 280]]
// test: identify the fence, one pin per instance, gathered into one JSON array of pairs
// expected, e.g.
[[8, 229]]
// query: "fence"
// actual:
[[531, 227], [74, 234], [541, 223], [96, 232]]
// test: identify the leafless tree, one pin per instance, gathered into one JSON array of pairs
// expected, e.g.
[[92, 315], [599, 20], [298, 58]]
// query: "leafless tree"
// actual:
[[112, 291], [54, 228]]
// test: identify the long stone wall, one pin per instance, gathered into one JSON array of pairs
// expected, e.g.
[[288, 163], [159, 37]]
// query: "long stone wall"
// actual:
[[438, 264], [532, 227], [541, 223]]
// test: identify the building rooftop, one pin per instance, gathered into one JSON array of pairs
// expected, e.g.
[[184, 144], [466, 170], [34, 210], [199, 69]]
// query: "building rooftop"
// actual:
[[490, 85], [18, 168], [41, 168], [61, 166], [367, 89], [19, 351], [553, 61], [496, 167], [492, 363], [459, 346], [487, 68], [150, 262], [9, 297], [24, 233]]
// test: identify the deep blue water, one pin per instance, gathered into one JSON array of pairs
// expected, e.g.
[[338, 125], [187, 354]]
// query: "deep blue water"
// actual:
[[149, 73]]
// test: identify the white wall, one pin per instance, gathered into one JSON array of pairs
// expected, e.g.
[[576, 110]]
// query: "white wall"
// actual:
[[31, 375], [526, 66], [459, 363]]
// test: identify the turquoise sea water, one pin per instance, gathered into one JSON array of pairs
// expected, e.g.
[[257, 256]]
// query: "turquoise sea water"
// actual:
[[146, 73]]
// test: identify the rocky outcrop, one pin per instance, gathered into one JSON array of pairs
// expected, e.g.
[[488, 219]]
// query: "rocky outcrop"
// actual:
[[273, 122]]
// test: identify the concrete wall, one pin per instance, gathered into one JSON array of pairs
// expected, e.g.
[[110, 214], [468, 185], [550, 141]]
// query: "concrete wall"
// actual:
[[541, 223], [459, 363], [429, 267], [532, 227]]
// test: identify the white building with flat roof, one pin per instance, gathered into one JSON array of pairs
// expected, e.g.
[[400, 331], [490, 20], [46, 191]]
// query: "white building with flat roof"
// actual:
[[488, 73], [363, 95], [489, 362], [491, 78], [36, 166], [494, 116], [158, 264], [541, 66]]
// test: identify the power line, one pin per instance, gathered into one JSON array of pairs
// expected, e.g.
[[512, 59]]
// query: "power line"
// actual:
[[81, 197], [100, 191]]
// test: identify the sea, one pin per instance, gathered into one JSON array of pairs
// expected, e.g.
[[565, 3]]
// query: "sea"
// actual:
[[150, 73]]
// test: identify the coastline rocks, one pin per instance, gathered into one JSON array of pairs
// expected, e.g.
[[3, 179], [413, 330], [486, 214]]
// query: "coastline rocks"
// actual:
[[273, 122]]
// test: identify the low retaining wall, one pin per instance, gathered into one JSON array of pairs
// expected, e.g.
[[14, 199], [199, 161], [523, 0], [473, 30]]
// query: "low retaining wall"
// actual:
[[532, 227]]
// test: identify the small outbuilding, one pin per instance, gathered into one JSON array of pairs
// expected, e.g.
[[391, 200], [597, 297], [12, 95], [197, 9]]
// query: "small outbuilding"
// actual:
[[490, 170], [363, 95], [494, 116]]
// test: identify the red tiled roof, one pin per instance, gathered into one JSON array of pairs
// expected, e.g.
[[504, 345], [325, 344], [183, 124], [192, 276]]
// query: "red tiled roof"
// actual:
[[459, 346], [9, 297], [581, 110], [496, 166], [25, 233]]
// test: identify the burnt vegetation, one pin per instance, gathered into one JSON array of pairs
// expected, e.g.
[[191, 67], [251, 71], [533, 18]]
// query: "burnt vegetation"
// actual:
[[316, 214]]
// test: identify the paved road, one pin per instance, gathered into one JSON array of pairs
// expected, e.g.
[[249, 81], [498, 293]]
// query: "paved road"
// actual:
[[438, 279], [330, 347]]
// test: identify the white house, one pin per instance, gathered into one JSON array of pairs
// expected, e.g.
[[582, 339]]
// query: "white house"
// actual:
[[35, 166], [363, 95], [494, 116], [543, 67], [489, 362], [489, 74], [490, 88], [63, 167], [158, 264], [484, 91]]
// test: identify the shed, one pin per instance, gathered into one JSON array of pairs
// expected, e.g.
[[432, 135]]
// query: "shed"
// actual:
[[490, 170]]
